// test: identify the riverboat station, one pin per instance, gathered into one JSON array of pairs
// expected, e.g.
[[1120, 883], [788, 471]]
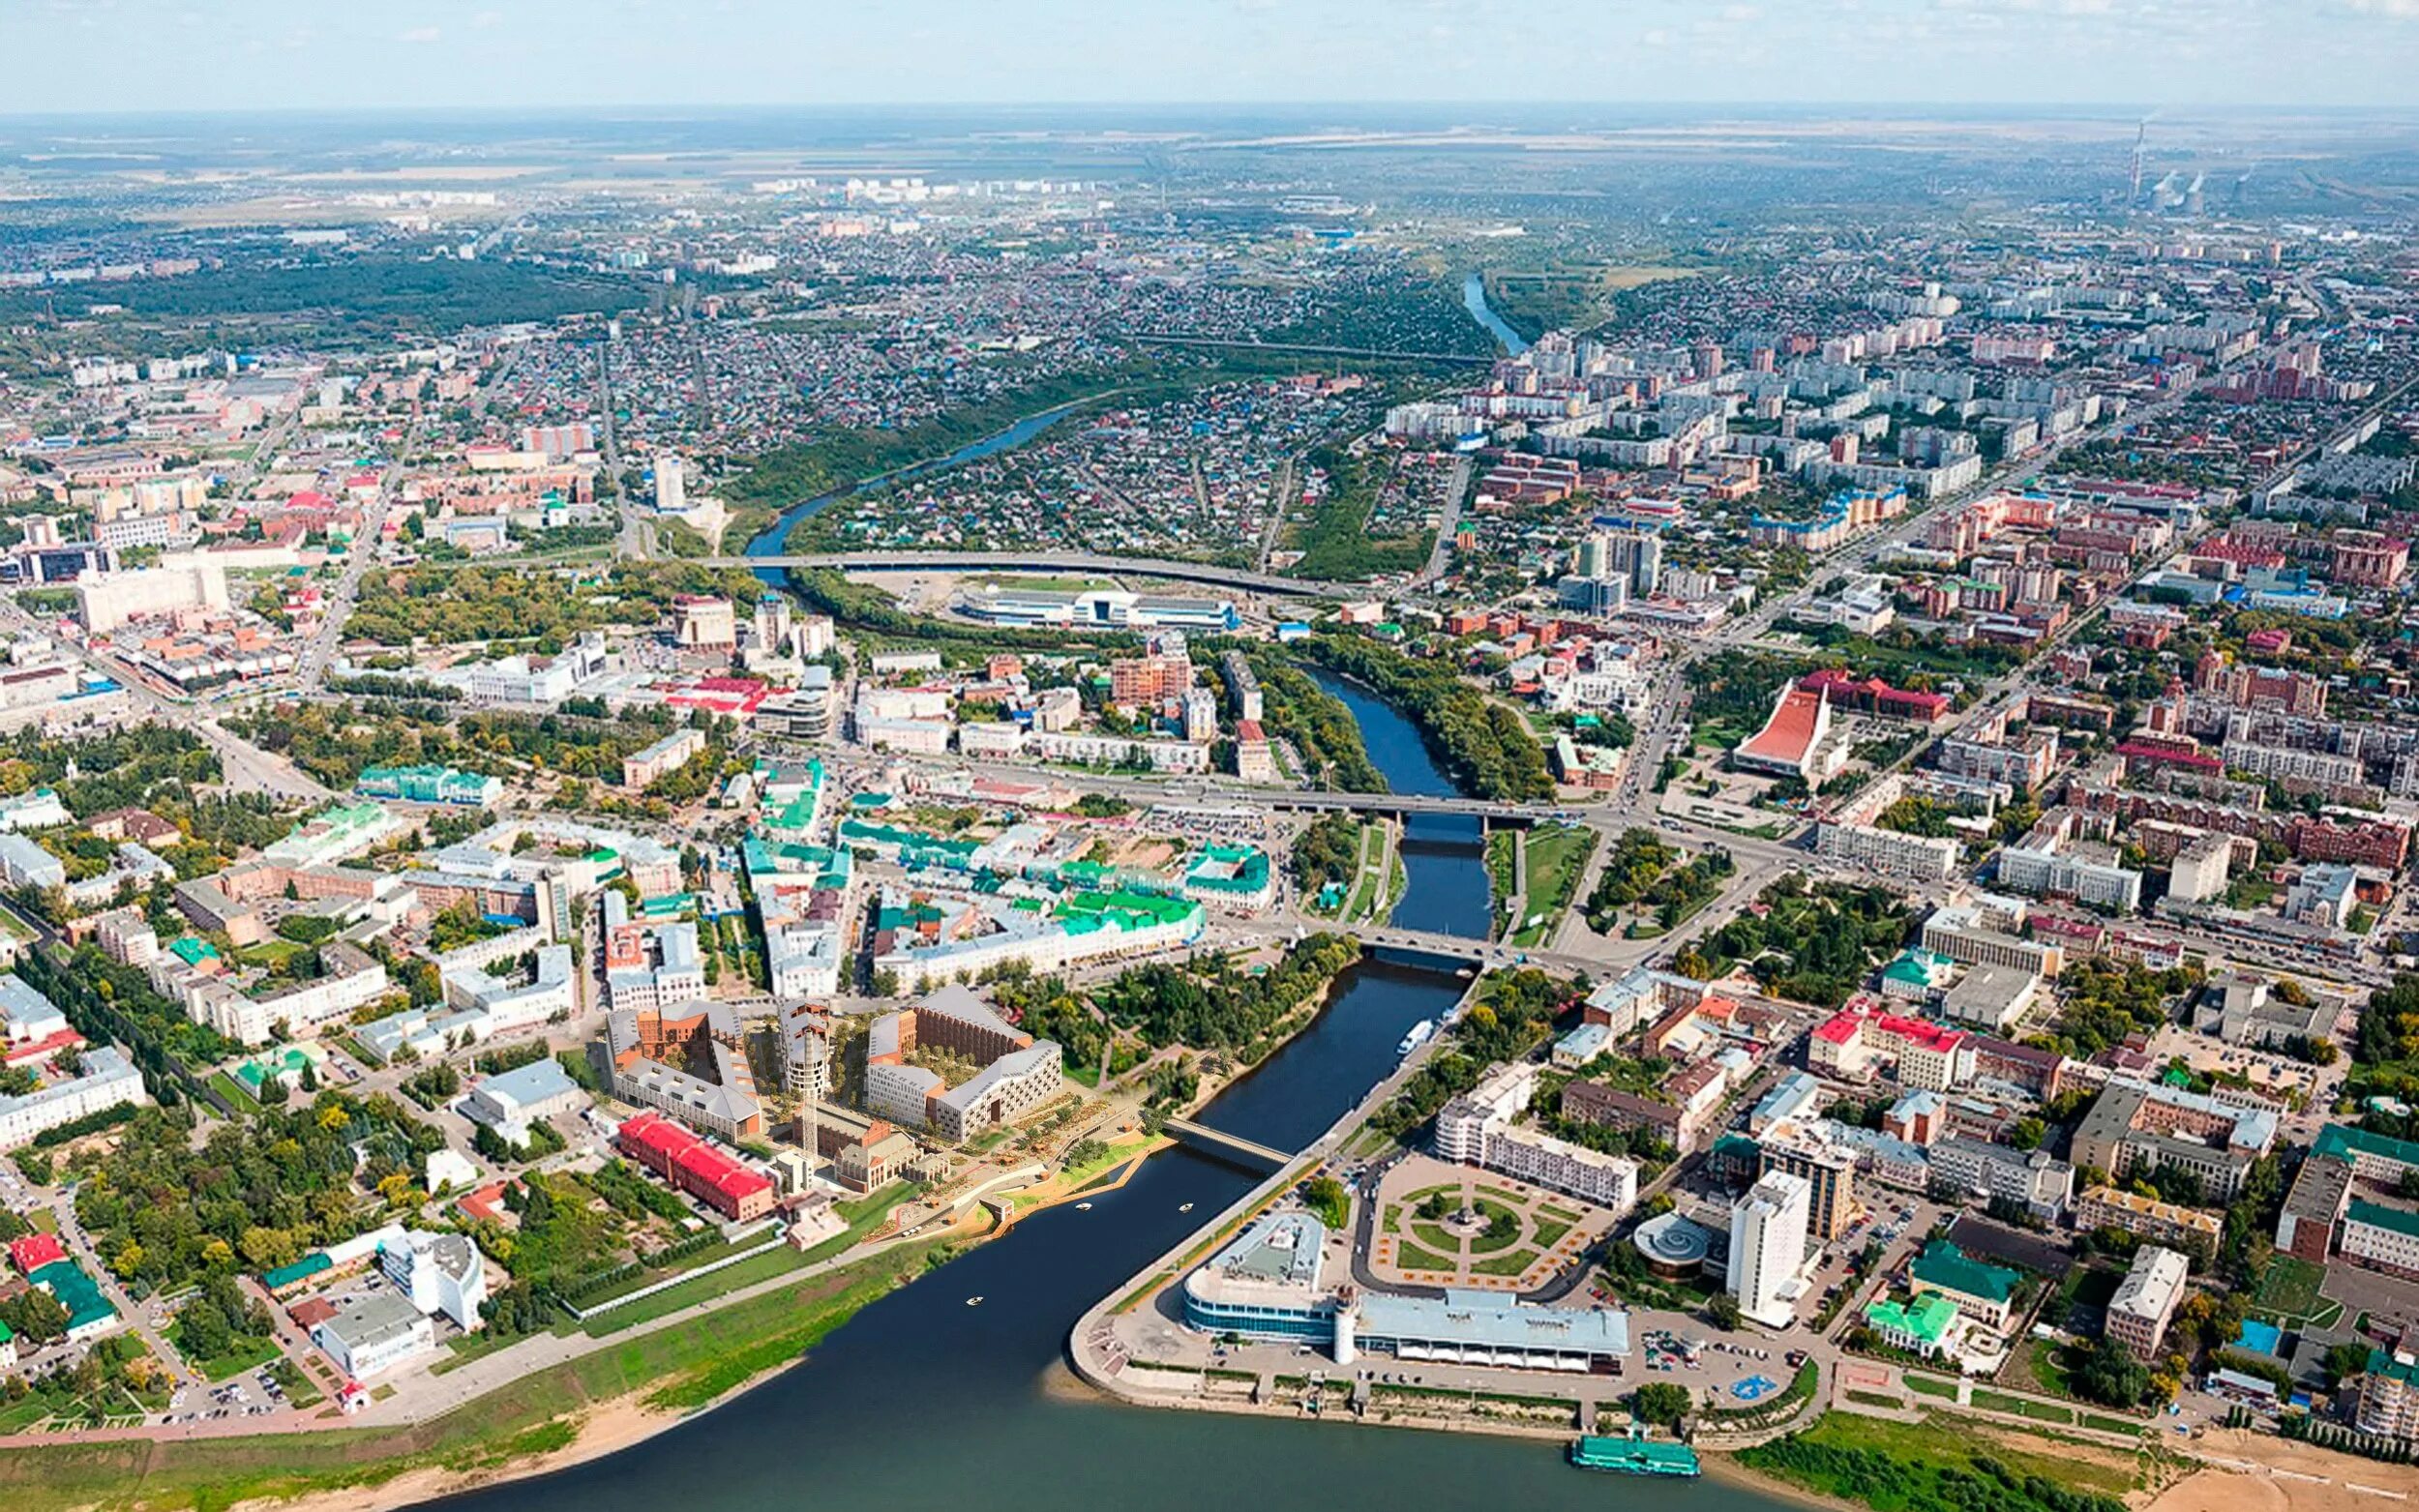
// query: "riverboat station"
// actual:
[[1268, 1282]]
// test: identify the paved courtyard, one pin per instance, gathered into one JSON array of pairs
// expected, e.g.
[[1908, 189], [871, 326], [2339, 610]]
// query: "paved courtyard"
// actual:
[[1451, 1226]]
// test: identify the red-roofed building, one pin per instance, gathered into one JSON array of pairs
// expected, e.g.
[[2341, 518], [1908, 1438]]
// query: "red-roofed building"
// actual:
[[1877, 697], [488, 1202], [35, 1251], [1854, 1042], [694, 1166], [737, 698], [2145, 751], [1796, 741]]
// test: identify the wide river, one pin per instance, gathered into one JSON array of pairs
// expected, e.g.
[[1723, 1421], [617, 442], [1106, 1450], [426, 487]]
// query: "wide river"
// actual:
[[922, 1402]]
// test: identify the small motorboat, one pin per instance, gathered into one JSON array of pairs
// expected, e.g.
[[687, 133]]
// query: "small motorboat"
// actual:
[[973, 1301], [1083, 1207], [1184, 1207]]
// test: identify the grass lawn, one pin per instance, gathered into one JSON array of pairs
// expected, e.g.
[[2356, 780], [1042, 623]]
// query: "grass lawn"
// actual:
[[1113, 1156], [1433, 1238], [269, 954], [1489, 1243], [1940, 1441], [649, 1275], [247, 1355], [1548, 1232], [2113, 1425], [2024, 1407], [1556, 857], [1931, 1386], [688, 1293], [465, 1347], [1875, 1399], [2289, 1289], [2049, 1371], [1509, 1265], [300, 1388], [233, 1090], [1410, 1256]]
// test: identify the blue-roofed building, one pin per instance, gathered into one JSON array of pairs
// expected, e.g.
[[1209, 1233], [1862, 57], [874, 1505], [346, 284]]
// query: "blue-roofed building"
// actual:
[[1582, 1045], [1792, 1097], [1271, 1282]]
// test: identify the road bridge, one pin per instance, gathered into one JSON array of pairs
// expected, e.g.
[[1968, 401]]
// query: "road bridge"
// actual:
[[1233, 1148], [1395, 805], [1239, 580]]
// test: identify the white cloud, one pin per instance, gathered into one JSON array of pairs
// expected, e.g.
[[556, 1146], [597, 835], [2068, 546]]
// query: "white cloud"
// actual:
[[420, 36]]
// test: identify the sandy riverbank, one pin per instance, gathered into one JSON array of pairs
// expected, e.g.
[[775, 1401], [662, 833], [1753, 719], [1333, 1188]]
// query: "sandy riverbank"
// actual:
[[603, 1429], [2255, 1472]]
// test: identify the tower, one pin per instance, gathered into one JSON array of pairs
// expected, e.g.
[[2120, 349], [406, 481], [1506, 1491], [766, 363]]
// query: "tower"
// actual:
[[1768, 1243], [2141, 130], [670, 492]]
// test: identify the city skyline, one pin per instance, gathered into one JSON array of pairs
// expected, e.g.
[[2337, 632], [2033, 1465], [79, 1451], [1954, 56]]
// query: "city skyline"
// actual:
[[548, 55]]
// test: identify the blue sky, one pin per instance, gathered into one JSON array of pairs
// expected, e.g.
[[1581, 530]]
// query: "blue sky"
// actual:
[[108, 55]]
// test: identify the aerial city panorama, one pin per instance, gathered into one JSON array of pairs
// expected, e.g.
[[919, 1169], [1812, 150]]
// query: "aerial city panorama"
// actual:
[[1193, 754]]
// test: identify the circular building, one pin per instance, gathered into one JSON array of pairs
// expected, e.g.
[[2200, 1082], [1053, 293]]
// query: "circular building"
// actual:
[[1674, 1247]]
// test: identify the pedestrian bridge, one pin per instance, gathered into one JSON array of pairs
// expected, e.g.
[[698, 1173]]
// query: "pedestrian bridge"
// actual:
[[1233, 1148]]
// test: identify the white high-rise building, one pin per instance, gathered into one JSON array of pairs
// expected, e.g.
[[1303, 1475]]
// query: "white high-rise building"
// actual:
[[1768, 1245], [670, 491]]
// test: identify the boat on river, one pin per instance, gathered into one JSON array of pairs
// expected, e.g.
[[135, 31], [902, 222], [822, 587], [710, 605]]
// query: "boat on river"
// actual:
[[1634, 1454]]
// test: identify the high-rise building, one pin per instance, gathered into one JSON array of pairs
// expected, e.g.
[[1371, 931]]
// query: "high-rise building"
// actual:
[[1830, 1174], [1768, 1244], [1637, 555], [671, 495], [1200, 714]]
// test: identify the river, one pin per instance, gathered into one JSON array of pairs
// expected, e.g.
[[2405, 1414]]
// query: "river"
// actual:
[[921, 1402], [774, 539], [1474, 299]]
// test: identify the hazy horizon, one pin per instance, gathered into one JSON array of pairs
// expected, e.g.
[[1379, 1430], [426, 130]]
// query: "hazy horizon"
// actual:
[[110, 57]]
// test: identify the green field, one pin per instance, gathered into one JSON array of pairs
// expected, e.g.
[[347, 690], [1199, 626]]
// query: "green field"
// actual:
[[1410, 1256], [2024, 1407], [733, 1277], [226, 1086], [1930, 1465], [1931, 1386], [1556, 856], [2288, 1289]]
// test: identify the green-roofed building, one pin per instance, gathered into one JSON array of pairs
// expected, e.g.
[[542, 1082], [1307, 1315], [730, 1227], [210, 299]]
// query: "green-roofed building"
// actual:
[[2380, 1237], [2373, 1157], [88, 1312], [1982, 1291], [1232, 876], [1735, 1157], [1917, 974], [1928, 1324]]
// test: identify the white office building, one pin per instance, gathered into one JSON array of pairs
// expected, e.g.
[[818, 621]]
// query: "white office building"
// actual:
[[1768, 1246]]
